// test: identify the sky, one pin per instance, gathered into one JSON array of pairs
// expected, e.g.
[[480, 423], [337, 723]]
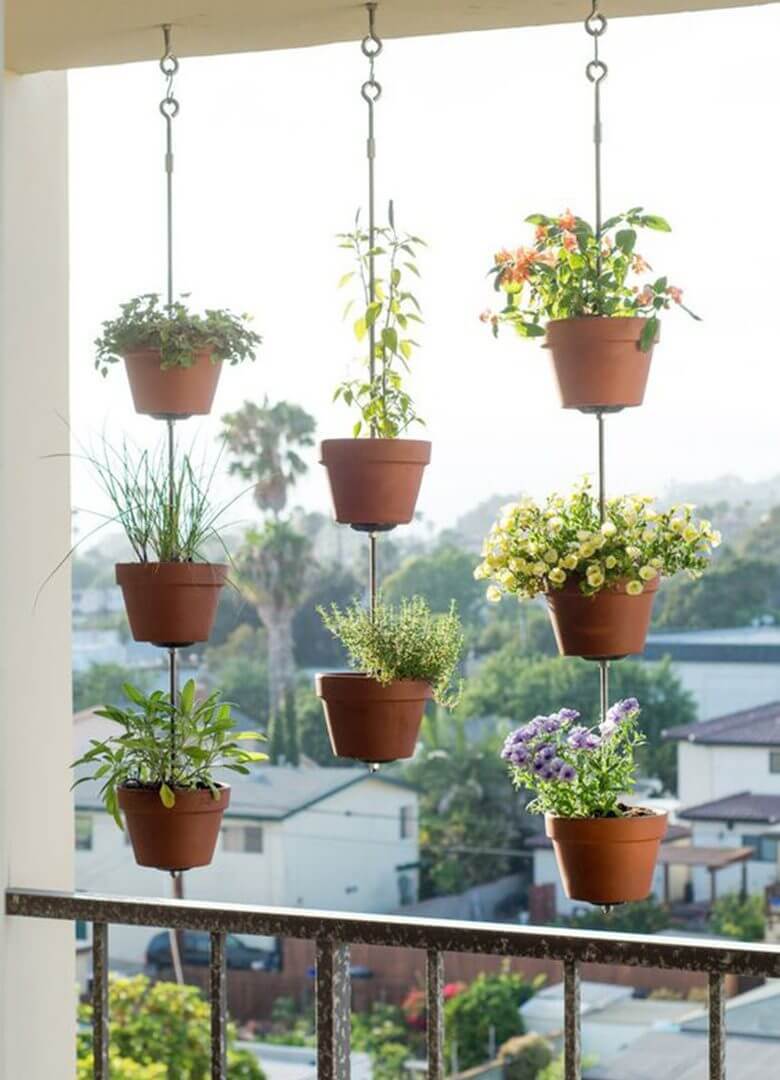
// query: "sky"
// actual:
[[474, 132]]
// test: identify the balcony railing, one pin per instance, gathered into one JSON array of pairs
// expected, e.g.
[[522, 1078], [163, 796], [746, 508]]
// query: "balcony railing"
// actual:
[[334, 933]]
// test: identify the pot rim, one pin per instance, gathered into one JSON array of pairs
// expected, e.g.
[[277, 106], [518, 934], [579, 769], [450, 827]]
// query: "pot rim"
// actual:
[[173, 572], [156, 351], [651, 826], [406, 451], [368, 688], [147, 800], [599, 328]]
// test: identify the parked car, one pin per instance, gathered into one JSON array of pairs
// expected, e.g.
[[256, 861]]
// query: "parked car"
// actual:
[[196, 951]]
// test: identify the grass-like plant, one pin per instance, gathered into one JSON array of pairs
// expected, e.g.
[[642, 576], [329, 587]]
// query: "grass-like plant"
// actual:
[[406, 641], [384, 405], [167, 747], [146, 323], [575, 771]]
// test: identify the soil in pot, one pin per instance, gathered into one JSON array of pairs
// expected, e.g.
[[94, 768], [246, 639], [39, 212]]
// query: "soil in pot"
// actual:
[[606, 626], [370, 722], [607, 860], [598, 362], [171, 604], [374, 483], [177, 838], [174, 392]]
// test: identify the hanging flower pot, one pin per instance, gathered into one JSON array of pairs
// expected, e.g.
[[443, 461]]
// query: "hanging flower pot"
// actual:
[[173, 356], [171, 603], [371, 722], [607, 860], [599, 363], [175, 391], [605, 626], [179, 837], [374, 483]]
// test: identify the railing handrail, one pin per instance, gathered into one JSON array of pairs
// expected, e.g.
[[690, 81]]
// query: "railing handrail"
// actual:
[[441, 935]]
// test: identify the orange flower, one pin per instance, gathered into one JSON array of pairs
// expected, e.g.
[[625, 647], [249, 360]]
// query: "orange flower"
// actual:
[[639, 265], [549, 258], [567, 220], [646, 296], [675, 293], [569, 241], [503, 257], [486, 316], [541, 232]]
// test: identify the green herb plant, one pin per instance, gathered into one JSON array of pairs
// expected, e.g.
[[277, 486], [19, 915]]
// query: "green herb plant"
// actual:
[[384, 405], [406, 641], [146, 323], [167, 747]]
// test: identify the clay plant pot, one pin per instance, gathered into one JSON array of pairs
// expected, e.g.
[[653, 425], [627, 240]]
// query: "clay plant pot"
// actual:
[[606, 626], [178, 838], [371, 722], [598, 362], [374, 483], [175, 391], [171, 603], [607, 860]]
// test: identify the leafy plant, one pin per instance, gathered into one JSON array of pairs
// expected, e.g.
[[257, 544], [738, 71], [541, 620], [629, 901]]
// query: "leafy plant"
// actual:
[[167, 746], [385, 407], [490, 1001], [160, 1030], [525, 1056], [740, 918], [534, 548], [571, 272], [575, 771], [402, 642], [146, 323]]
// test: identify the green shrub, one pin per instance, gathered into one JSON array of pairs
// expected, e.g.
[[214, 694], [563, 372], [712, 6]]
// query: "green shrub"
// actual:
[[491, 1001], [524, 1057], [734, 917]]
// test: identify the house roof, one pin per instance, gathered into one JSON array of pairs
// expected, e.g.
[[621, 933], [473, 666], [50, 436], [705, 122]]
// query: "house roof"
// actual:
[[713, 858], [759, 726], [742, 644], [275, 792], [683, 1055], [744, 806]]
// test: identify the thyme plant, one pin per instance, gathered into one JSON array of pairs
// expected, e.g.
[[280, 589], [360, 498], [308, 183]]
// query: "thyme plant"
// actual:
[[576, 771], [384, 405], [167, 747], [146, 323], [402, 642]]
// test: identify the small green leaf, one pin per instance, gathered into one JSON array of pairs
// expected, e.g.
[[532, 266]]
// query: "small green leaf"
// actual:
[[653, 221], [360, 328], [167, 798]]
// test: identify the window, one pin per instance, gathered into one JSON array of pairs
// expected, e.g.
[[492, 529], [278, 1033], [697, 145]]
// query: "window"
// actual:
[[83, 832], [407, 822], [82, 930], [243, 838], [764, 847], [774, 761]]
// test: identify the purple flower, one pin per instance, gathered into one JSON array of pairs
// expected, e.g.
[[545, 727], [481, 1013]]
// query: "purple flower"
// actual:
[[519, 755], [567, 715], [551, 724], [557, 764], [592, 741], [526, 733], [546, 752], [547, 774], [629, 705], [577, 738], [540, 766], [567, 774]]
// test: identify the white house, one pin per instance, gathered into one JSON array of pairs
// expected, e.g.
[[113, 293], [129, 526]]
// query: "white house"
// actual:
[[729, 789], [338, 838]]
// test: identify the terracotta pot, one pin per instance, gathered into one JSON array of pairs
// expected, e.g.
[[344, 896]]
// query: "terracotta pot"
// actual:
[[607, 860], [178, 838], [598, 362], [607, 626], [374, 483], [371, 722], [175, 391], [171, 603]]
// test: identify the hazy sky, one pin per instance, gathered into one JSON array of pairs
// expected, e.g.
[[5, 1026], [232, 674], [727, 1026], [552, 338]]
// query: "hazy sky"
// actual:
[[475, 131]]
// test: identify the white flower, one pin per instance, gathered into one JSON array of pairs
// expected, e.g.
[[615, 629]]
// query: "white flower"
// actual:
[[493, 594], [634, 588], [557, 576], [647, 573], [609, 528]]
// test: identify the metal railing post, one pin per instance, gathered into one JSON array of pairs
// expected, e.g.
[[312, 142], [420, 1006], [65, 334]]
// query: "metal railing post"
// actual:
[[333, 1000], [571, 1019], [100, 1030], [434, 990], [218, 999], [717, 1026]]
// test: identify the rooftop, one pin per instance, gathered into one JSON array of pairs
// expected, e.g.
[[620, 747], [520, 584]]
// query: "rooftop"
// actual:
[[758, 726], [683, 1055], [741, 644], [744, 806]]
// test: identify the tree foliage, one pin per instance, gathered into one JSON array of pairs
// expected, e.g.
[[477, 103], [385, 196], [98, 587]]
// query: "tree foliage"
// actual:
[[735, 917], [102, 684], [490, 1001]]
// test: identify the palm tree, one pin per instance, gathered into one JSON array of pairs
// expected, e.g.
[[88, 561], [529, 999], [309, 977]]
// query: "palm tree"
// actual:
[[264, 442]]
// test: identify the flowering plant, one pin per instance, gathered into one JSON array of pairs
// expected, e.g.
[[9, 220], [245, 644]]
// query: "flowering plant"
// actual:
[[384, 405], [570, 272], [576, 771], [534, 548]]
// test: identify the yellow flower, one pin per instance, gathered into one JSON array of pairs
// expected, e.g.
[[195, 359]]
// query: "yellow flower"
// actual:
[[715, 538], [610, 562], [481, 572], [595, 576], [634, 588], [633, 553], [677, 525], [540, 568], [690, 533], [556, 523], [647, 573], [493, 594], [569, 562], [583, 535], [657, 563], [609, 528], [551, 556], [557, 576]]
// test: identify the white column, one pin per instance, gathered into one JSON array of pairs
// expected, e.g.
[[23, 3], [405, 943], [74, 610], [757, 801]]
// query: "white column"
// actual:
[[37, 999]]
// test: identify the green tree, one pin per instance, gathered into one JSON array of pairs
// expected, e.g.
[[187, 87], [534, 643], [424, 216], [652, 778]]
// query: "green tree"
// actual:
[[513, 689], [440, 577], [312, 732], [162, 1025], [292, 742], [491, 1001], [239, 667], [315, 646], [738, 590], [735, 917], [101, 684]]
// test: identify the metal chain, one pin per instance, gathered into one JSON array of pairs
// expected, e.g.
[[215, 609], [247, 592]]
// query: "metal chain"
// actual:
[[371, 91], [169, 107]]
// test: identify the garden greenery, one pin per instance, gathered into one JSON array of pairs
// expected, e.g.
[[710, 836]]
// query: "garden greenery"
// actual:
[[576, 771], [146, 323], [385, 407], [570, 272], [533, 548], [167, 747], [406, 641]]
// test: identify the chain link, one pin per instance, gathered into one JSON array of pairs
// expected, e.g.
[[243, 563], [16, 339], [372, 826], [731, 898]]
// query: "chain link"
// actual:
[[596, 71]]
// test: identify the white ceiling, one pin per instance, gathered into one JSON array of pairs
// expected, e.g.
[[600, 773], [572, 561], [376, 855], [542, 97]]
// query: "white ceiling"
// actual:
[[54, 34]]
